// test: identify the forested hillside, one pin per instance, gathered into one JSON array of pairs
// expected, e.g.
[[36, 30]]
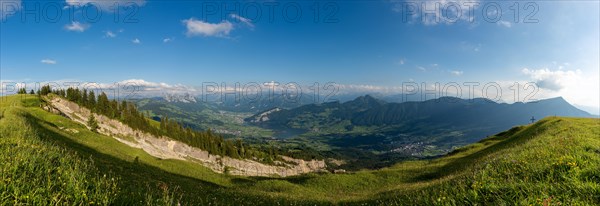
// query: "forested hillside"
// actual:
[[128, 113]]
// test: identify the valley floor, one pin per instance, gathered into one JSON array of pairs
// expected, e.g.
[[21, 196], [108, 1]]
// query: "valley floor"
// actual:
[[48, 159]]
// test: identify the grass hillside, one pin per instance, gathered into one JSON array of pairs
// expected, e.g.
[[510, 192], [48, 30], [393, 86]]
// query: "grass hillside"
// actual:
[[31, 140], [48, 159]]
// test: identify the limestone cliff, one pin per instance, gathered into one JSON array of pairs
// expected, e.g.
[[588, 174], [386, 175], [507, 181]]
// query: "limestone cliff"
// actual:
[[166, 148]]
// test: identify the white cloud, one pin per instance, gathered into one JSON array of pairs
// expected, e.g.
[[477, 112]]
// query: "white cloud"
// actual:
[[110, 34], [48, 61], [136, 41], [421, 68], [146, 88], [106, 5], [271, 84], [146, 84], [575, 86], [552, 80], [167, 40], [246, 21], [503, 23], [366, 88], [9, 8], [77, 27], [201, 28], [456, 73]]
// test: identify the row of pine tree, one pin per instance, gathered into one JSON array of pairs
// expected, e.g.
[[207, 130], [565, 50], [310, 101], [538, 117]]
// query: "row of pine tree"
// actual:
[[128, 113]]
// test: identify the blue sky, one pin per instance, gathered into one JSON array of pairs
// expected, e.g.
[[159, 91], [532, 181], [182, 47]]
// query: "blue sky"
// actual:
[[362, 45]]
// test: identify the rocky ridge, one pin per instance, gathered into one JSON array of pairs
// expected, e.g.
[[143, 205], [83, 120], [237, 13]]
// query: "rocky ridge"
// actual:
[[166, 148]]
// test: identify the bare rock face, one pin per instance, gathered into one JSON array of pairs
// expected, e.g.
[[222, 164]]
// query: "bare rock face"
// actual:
[[166, 148], [50, 109]]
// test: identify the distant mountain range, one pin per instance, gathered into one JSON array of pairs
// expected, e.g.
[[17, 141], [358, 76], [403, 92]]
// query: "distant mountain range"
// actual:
[[368, 110], [241, 104], [474, 117], [367, 131], [470, 119]]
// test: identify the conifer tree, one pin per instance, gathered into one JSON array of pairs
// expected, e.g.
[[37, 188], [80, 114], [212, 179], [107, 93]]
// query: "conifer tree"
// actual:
[[103, 104], [91, 100], [162, 123], [84, 98], [92, 123]]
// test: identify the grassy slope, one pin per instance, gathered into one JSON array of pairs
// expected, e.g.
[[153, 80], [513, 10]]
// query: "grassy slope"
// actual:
[[36, 172], [140, 178], [554, 160]]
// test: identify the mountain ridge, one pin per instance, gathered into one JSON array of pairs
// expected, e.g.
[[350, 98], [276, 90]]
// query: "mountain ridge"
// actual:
[[414, 129]]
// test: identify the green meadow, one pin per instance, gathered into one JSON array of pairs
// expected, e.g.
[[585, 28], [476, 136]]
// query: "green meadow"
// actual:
[[46, 159]]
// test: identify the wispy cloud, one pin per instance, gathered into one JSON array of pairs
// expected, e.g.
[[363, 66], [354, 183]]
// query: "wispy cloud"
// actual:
[[136, 41], [456, 73], [77, 26], [167, 40], [468, 46], [239, 18], [503, 23], [110, 34], [48, 61], [401, 61], [200, 28]]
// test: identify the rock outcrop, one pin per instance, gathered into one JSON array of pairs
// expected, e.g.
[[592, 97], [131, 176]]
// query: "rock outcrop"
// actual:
[[166, 148]]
